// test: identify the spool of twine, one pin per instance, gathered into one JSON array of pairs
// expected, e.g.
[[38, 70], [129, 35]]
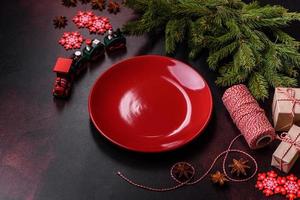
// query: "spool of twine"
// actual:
[[249, 118]]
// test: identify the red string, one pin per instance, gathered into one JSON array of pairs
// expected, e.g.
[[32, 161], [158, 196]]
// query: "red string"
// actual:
[[249, 118], [189, 182]]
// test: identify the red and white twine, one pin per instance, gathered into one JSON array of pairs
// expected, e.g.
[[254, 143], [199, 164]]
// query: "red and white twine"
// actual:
[[195, 181], [249, 118]]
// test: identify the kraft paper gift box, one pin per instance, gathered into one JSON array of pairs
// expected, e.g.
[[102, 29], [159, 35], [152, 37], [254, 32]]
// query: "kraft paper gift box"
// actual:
[[286, 108], [287, 153]]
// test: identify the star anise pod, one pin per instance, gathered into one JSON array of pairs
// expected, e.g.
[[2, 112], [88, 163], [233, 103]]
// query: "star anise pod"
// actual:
[[113, 7], [69, 3], [85, 1], [219, 178], [182, 171], [239, 166], [60, 22], [98, 4]]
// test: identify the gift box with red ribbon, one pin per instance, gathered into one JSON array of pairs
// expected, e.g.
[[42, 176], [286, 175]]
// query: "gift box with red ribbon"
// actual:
[[287, 152], [286, 108]]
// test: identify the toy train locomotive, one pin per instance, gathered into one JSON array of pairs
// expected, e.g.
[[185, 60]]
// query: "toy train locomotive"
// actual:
[[67, 69]]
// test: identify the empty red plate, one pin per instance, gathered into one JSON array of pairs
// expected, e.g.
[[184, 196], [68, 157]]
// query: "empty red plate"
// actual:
[[150, 104]]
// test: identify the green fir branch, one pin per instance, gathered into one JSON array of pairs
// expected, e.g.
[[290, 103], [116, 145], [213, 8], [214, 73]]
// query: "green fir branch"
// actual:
[[175, 32], [246, 42], [258, 86]]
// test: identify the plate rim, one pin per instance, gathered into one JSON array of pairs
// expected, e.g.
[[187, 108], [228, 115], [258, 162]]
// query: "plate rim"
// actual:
[[149, 151]]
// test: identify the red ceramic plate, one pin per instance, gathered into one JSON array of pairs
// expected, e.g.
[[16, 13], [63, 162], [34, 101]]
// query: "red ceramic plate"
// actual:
[[150, 104]]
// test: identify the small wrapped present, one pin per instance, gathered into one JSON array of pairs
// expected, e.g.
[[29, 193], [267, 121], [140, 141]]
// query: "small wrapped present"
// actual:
[[288, 151], [286, 108]]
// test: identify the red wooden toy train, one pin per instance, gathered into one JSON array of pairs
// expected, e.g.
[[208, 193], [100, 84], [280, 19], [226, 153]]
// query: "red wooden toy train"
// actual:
[[67, 69]]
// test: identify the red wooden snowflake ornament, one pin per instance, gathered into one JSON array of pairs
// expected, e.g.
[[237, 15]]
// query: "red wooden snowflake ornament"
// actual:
[[270, 183], [84, 19], [71, 40], [100, 25], [292, 187], [267, 182]]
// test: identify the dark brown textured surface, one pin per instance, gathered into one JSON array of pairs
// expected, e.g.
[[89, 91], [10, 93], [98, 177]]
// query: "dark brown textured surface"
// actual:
[[50, 150]]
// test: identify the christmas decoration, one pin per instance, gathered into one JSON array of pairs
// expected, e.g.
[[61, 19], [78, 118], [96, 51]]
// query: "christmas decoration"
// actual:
[[94, 50], [288, 151], [245, 41], [114, 41], [286, 108], [63, 82], [60, 22], [69, 3], [291, 187], [79, 63], [84, 19], [182, 172], [267, 182], [68, 69], [85, 1], [100, 25], [113, 7], [219, 178], [239, 166], [248, 116], [270, 183], [98, 4], [71, 40]]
